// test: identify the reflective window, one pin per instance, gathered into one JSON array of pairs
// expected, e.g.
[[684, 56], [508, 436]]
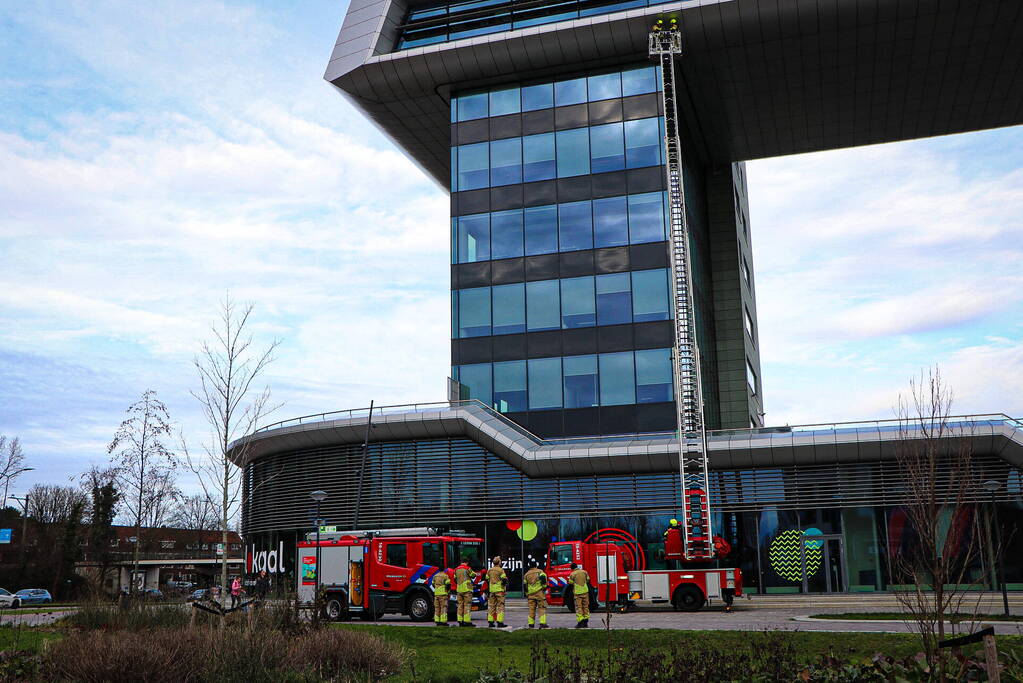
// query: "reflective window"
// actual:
[[506, 234], [604, 87], [649, 295], [478, 31], [639, 81], [607, 152], [541, 228], [538, 97], [544, 383], [474, 312], [543, 310], [538, 157], [614, 299], [473, 238], [473, 166], [617, 379], [610, 222], [642, 143], [510, 386], [570, 92], [504, 102], [646, 218], [578, 305], [573, 152], [580, 380], [653, 376], [476, 379], [575, 226], [472, 107], [509, 309], [748, 321], [506, 161], [751, 377]]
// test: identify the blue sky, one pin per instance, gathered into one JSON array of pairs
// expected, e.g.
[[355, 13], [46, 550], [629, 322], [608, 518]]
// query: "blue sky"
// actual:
[[153, 156]]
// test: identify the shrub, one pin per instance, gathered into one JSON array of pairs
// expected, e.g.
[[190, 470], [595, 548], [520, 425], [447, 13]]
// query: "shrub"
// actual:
[[135, 618], [340, 654], [144, 656]]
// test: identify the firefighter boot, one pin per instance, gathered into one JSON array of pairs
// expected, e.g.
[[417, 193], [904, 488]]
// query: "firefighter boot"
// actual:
[[490, 624], [586, 622], [544, 626], [501, 624]]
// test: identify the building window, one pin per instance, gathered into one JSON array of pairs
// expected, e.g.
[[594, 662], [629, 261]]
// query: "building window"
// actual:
[[538, 97], [646, 217], [474, 312], [472, 107], [476, 379], [506, 162], [572, 149], [617, 379], [745, 268], [607, 151], [575, 226], [653, 376], [642, 143], [504, 102], [538, 157], [544, 383], [510, 386], [751, 377], [506, 234], [509, 309], [748, 321], [604, 86], [650, 296], [543, 309], [570, 92], [578, 303], [580, 378], [614, 299], [473, 238], [639, 81], [610, 222], [541, 229], [473, 166], [168, 545]]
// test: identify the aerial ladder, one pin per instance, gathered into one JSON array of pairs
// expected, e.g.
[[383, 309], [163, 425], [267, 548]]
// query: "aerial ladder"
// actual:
[[697, 544]]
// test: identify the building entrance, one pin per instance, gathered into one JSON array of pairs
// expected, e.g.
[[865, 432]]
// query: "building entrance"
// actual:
[[823, 563]]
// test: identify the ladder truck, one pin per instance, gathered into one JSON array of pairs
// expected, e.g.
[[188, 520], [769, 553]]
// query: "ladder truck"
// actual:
[[618, 571]]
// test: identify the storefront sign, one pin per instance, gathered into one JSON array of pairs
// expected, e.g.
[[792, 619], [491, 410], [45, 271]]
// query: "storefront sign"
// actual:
[[271, 561]]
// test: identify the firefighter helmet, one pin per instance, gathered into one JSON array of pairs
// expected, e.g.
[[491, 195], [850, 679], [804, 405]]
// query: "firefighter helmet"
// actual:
[[673, 522]]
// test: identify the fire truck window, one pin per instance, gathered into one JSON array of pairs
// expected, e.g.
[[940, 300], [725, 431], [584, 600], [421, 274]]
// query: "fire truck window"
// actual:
[[397, 554], [470, 552], [432, 555], [452, 554], [562, 555]]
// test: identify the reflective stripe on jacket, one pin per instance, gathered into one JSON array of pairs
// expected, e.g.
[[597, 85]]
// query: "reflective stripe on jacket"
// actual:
[[536, 581], [463, 579], [441, 583], [579, 578], [497, 579]]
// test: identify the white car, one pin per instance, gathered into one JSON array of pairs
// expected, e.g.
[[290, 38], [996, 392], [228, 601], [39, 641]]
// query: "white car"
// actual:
[[9, 600]]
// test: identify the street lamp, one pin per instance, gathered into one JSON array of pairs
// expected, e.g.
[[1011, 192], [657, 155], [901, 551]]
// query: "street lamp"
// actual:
[[992, 487], [7, 482], [319, 497]]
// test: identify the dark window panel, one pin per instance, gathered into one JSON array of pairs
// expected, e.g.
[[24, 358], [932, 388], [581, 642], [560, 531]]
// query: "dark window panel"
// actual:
[[640, 106], [655, 335], [505, 127], [546, 423], [576, 263], [507, 197], [456, 356], [544, 344], [649, 179], [614, 260], [475, 201], [475, 350], [540, 193], [618, 420], [582, 421], [474, 274], [607, 111], [575, 116], [574, 189], [614, 339], [580, 341], [507, 271], [510, 347], [534, 122], [656, 417], [609, 184], [473, 131], [652, 255], [542, 267]]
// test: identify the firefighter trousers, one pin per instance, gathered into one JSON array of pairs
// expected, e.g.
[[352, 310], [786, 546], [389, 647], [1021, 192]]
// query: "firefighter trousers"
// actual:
[[465, 606], [495, 607], [582, 606], [440, 608], [537, 607]]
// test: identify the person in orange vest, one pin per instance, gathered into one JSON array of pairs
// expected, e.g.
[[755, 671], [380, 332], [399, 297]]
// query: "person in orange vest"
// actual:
[[441, 591], [579, 579], [464, 576], [497, 584]]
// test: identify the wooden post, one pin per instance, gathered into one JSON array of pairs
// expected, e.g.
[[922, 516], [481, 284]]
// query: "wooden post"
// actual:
[[991, 659]]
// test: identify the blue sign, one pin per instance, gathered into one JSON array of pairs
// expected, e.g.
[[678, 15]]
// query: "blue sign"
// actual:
[[5, 535]]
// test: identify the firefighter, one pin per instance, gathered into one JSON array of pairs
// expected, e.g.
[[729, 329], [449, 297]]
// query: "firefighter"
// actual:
[[673, 524], [536, 594], [580, 581], [441, 592], [464, 576], [497, 584]]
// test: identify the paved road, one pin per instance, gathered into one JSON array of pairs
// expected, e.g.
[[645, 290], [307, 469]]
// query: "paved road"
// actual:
[[16, 618]]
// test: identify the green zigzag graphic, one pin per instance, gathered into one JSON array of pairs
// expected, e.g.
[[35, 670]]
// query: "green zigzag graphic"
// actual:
[[783, 555]]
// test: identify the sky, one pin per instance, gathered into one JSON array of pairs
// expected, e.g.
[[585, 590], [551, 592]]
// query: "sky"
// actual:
[[156, 156]]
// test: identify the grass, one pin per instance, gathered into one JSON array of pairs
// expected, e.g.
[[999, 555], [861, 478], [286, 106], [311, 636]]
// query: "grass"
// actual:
[[902, 616], [451, 655], [37, 610], [30, 639]]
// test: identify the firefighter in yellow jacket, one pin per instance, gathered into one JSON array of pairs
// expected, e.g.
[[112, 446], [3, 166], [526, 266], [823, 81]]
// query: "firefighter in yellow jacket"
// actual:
[[536, 594], [497, 584], [464, 576], [441, 592], [580, 581]]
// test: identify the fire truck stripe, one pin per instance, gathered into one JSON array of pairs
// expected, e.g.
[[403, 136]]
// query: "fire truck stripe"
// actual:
[[419, 573]]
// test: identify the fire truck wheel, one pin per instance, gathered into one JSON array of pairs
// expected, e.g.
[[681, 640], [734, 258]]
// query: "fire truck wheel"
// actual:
[[688, 599], [419, 607], [334, 610]]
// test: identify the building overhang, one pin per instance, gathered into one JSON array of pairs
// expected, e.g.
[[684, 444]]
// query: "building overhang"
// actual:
[[762, 78], [996, 435]]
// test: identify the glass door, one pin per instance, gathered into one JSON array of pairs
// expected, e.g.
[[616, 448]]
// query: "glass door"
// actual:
[[823, 564]]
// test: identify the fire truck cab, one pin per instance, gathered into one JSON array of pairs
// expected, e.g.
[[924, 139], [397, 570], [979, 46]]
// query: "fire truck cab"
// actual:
[[374, 572], [616, 575]]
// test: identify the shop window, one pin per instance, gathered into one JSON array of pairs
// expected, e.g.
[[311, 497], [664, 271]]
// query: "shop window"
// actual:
[[614, 299], [578, 303], [650, 295], [541, 229], [510, 386], [544, 383], [617, 379], [543, 310], [509, 308], [607, 152], [538, 157], [506, 234], [653, 376], [610, 222], [580, 378], [575, 226], [573, 152]]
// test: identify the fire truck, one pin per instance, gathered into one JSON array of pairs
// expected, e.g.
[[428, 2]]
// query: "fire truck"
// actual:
[[369, 573], [616, 564]]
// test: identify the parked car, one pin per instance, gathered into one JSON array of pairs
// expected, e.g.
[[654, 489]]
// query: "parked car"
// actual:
[[8, 599], [198, 594], [34, 596], [153, 594], [183, 585]]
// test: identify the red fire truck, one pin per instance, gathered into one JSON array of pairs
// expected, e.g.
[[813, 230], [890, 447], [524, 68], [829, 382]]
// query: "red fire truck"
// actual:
[[374, 572], [616, 564]]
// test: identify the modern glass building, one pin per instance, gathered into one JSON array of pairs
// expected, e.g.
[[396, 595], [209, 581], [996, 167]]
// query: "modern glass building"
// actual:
[[544, 122]]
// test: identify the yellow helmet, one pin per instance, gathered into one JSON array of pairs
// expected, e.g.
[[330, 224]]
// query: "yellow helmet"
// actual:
[[673, 522]]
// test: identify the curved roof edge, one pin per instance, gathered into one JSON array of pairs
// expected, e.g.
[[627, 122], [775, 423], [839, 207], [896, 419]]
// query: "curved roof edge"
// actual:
[[731, 449]]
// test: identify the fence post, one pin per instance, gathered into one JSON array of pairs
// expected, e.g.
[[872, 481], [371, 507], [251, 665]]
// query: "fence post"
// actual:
[[991, 659]]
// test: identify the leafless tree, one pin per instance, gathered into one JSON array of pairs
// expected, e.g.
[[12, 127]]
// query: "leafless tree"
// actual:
[[229, 367], [11, 459], [50, 504], [197, 512], [162, 498], [143, 462], [931, 570]]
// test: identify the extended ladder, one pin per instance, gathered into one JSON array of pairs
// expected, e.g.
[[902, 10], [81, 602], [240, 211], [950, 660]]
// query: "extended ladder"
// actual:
[[665, 45]]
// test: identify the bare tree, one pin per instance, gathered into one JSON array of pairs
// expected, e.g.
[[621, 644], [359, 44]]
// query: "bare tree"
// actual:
[[162, 498], [11, 460], [142, 460], [50, 504], [197, 512], [931, 569], [228, 367]]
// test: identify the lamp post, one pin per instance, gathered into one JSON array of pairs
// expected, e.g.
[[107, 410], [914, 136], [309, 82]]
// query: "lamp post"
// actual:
[[992, 487], [319, 497], [7, 482]]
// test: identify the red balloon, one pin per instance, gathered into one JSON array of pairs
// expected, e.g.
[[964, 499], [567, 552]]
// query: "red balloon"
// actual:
[[514, 524]]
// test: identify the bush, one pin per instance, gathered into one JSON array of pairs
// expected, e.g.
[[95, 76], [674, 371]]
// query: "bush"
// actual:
[[144, 656], [141, 616], [339, 654]]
